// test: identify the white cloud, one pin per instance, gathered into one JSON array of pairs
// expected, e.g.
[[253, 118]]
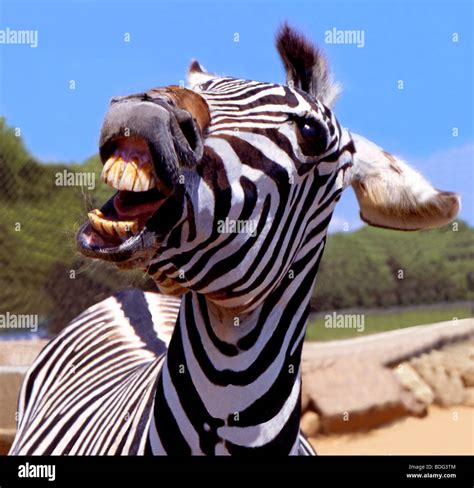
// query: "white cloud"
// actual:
[[341, 224]]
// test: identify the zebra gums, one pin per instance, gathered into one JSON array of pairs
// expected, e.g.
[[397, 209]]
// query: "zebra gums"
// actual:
[[218, 371]]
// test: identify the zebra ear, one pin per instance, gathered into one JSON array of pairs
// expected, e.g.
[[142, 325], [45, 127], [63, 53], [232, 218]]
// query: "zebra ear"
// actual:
[[393, 195], [306, 66], [197, 75]]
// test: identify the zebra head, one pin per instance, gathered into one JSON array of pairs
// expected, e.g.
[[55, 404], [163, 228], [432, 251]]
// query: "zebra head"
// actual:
[[224, 186]]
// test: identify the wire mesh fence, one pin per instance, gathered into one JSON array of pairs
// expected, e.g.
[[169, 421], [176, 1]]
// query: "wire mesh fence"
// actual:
[[44, 281]]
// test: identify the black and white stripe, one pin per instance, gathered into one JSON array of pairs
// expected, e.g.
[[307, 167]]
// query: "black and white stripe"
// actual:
[[91, 388], [111, 384], [237, 391]]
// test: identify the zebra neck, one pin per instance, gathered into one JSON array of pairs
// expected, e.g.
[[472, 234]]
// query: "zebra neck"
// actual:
[[233, 386]]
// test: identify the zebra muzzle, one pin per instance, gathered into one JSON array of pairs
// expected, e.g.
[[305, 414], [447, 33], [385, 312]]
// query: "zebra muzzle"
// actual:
[[143, 147], [145, 144]]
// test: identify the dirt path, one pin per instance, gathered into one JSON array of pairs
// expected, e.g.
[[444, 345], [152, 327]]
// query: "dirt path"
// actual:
[[442, 431]]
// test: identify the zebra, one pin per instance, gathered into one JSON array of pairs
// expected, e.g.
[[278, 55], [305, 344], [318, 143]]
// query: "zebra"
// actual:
[[211, 366]]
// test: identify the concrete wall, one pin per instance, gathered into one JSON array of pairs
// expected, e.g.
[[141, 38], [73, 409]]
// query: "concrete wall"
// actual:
[[15, 358]]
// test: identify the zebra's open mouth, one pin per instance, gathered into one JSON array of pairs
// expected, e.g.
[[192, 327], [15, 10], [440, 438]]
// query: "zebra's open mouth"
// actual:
[[125, 218], [129, 166], [145, 143], [121, 221], [129, 169]]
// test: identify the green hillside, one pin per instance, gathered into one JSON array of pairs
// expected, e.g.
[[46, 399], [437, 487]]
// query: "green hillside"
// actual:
[[374, 267], [42, 273]]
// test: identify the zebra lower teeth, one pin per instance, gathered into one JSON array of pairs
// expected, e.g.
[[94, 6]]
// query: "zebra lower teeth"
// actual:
[[112, 228], [131, 174]]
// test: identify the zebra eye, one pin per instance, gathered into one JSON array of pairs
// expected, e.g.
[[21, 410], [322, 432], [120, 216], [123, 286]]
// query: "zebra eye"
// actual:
[[308, 130], [312, 137]]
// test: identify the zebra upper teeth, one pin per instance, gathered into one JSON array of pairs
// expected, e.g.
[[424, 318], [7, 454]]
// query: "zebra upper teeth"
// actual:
[[131, 174], [113, 228]]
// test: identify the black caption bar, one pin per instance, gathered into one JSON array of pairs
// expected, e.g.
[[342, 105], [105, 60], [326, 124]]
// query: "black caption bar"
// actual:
[[371, 470]]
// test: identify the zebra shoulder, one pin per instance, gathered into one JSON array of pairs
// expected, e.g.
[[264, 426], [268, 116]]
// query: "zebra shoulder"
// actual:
[[144, 321], [132, 327]]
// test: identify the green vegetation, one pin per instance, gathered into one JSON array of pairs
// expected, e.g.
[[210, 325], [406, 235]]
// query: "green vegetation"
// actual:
[[42, 273], [382, 268], [381, 322]]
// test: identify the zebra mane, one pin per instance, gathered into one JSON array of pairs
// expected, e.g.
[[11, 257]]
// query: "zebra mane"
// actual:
[[306, 66]]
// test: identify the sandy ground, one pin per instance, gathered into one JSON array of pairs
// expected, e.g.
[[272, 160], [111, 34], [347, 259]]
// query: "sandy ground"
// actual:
[[442, 431]]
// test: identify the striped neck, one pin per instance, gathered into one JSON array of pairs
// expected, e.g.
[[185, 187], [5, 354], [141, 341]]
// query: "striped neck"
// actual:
[[231, 384]]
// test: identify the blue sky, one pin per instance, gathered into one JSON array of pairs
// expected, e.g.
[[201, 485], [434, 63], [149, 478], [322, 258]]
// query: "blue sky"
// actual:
[[411, 41]]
